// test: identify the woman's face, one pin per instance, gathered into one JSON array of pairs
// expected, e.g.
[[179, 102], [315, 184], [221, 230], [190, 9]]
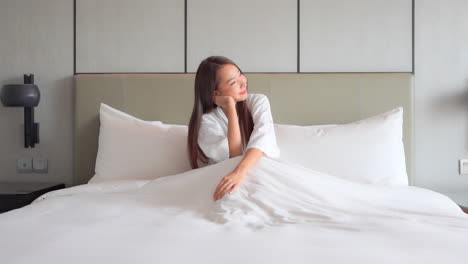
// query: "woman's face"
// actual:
[[232, 83]]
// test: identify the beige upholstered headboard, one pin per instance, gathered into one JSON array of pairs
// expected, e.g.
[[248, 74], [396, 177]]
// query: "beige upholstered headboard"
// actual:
[[301, 99]]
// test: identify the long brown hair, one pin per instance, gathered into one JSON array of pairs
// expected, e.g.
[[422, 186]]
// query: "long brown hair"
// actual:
[[206, 82]]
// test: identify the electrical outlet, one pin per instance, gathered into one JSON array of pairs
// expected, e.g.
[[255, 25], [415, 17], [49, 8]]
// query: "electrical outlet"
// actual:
[[40, 165], [24, 165], [464, 166]]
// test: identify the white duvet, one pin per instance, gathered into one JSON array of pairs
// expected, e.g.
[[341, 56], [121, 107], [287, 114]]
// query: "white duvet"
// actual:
[[282, 213]]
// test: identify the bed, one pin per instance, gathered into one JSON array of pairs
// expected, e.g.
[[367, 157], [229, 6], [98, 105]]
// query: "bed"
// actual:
[[285, 213]]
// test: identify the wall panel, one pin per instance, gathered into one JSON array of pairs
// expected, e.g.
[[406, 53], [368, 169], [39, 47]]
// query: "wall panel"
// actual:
[[259, 35], [356, 36], [129, 36]]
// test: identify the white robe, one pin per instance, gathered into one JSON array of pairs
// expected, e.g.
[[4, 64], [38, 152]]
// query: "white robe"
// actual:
[[213, 135]]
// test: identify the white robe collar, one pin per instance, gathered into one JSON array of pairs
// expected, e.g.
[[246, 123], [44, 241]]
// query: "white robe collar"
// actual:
[[221, 114]]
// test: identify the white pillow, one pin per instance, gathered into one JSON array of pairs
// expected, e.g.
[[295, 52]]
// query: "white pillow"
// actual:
[[366, 151], [369, 150], [130, 148], [122, 115]]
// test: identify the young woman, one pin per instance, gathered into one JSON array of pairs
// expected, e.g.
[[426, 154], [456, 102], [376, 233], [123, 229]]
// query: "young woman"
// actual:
[[227, 122]]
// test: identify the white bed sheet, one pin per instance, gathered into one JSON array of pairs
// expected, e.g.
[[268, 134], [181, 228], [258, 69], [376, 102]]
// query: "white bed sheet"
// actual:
[[281, 214]]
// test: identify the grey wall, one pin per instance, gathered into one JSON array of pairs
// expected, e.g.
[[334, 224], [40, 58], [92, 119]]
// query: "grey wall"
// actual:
[[37, 37], [441, 94]]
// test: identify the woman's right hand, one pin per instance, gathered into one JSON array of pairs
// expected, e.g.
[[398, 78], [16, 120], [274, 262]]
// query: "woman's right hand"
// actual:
[[223, 101]]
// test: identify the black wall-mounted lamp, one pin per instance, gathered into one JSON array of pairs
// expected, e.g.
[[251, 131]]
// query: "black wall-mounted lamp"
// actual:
[[25, 95]]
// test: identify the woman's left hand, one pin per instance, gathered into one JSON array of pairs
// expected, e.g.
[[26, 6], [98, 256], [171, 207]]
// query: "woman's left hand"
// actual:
[[229, 183]]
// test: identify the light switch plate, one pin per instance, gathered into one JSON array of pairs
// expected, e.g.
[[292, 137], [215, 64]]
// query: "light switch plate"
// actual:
[[24, 165], [40, 165], [464, 166]]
